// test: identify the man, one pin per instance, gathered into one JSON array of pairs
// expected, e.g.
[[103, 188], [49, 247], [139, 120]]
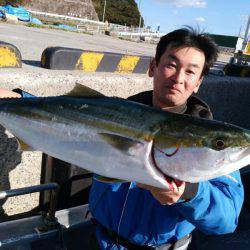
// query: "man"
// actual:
[[138, 216]]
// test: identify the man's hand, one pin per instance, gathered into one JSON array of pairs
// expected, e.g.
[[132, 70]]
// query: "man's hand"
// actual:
[[166, 197], [4, 93]]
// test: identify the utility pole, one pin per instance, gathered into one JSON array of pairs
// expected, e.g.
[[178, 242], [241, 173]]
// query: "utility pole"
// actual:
[[104, 10], [140, 14], [246, 36]]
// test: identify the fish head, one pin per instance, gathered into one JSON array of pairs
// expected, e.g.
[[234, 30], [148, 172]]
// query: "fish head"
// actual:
[[195, 150]]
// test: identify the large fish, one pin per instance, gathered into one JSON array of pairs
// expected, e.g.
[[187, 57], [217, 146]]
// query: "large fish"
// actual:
[[121, 139]]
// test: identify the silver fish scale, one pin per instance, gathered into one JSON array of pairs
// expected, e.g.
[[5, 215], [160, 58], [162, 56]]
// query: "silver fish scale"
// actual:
[[96, 134], [115, 111]]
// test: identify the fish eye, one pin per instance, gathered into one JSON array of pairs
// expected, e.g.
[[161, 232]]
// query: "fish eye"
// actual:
[[219, 144]]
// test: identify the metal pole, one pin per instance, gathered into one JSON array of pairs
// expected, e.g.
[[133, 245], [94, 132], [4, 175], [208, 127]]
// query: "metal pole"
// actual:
[[104, 10], [140, 14], [28, 190], [245, 41]]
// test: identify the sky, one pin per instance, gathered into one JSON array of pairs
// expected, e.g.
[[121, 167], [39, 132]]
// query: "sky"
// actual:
[[223, 17]]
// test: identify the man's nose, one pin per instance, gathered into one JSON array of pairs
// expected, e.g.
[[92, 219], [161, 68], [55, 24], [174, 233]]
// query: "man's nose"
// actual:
[[179, 77]]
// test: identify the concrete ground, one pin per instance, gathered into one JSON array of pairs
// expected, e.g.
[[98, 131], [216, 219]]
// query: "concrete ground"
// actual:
[[32, 41]]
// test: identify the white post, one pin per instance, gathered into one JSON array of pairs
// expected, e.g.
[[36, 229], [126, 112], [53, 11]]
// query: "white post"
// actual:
[[104, 10], [246, 37], [140, 15]]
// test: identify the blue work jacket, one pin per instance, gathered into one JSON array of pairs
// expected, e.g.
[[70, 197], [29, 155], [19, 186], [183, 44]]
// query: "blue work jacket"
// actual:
[[136, 215]]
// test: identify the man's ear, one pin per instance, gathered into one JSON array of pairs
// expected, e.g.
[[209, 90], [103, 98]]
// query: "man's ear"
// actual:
[[198, 84], [151, 69]]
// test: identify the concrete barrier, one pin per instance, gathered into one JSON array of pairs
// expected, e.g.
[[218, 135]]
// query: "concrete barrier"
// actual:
[[90, 61], [228, 98], [10, 56]]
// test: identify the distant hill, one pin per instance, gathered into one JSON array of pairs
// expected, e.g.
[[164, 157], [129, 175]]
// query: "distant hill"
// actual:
[[79, 8], [119, 11]]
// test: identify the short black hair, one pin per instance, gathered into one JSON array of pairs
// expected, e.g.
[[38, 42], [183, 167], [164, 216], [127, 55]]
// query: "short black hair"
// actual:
[[189, 37]]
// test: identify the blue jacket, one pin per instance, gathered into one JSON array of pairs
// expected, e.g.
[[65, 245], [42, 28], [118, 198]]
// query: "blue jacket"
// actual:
[[136, 215]]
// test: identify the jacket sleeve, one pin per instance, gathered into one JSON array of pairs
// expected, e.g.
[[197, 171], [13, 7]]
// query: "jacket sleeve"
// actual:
[[216, 207]]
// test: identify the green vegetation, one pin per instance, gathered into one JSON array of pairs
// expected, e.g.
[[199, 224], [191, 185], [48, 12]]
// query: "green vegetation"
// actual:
[[225, 41], [119, 11], [33, 25]]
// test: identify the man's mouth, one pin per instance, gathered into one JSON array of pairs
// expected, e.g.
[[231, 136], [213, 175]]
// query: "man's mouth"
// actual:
[[174, 89]]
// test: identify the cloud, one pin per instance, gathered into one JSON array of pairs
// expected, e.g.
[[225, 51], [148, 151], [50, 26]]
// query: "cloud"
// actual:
[[185, 3], [175, 12], [200, 19]]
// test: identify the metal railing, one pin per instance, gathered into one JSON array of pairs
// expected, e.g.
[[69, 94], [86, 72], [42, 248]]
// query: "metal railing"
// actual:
[[53, 187]]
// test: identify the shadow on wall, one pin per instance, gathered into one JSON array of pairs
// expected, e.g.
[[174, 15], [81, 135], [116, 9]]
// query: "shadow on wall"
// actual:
[[9, 159], [228, 98]]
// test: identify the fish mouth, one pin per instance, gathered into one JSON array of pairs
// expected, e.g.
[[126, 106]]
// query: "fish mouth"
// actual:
[[167, 178], [238, 153], [234, 155]]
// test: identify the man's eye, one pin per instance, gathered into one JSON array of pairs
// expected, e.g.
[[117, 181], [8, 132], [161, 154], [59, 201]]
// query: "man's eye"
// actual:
[[171, 65], [190, 72]]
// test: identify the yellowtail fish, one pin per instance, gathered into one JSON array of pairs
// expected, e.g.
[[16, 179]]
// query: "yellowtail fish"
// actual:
[[124, 140]]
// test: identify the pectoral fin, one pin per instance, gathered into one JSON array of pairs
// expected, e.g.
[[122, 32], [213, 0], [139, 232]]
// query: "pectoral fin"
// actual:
[[107, 179], [121, 143], [23, 146]]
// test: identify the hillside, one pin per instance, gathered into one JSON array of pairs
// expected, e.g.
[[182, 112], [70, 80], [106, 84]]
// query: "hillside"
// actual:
[[117, 11], [79, 8]]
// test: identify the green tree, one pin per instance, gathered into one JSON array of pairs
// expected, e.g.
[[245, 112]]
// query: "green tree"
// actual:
[[119, 11]]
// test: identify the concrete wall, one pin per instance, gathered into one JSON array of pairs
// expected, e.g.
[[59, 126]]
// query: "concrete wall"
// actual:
[[229, 99]]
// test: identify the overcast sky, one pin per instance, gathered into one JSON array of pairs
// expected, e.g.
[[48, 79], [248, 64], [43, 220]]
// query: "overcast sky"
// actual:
[[225, 17]]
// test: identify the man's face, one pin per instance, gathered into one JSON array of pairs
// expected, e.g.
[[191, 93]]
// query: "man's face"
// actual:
[[177, 76]]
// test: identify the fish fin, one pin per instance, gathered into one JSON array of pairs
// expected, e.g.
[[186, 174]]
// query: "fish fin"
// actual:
[[119, 142], [81, 90], [23, 146], [107, 179]]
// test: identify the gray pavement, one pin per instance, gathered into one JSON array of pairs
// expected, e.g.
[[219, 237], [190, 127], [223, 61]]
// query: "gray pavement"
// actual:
[[32, 41]]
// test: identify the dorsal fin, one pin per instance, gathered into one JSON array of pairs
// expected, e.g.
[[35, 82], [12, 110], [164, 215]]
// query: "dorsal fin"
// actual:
[[81, 90]]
